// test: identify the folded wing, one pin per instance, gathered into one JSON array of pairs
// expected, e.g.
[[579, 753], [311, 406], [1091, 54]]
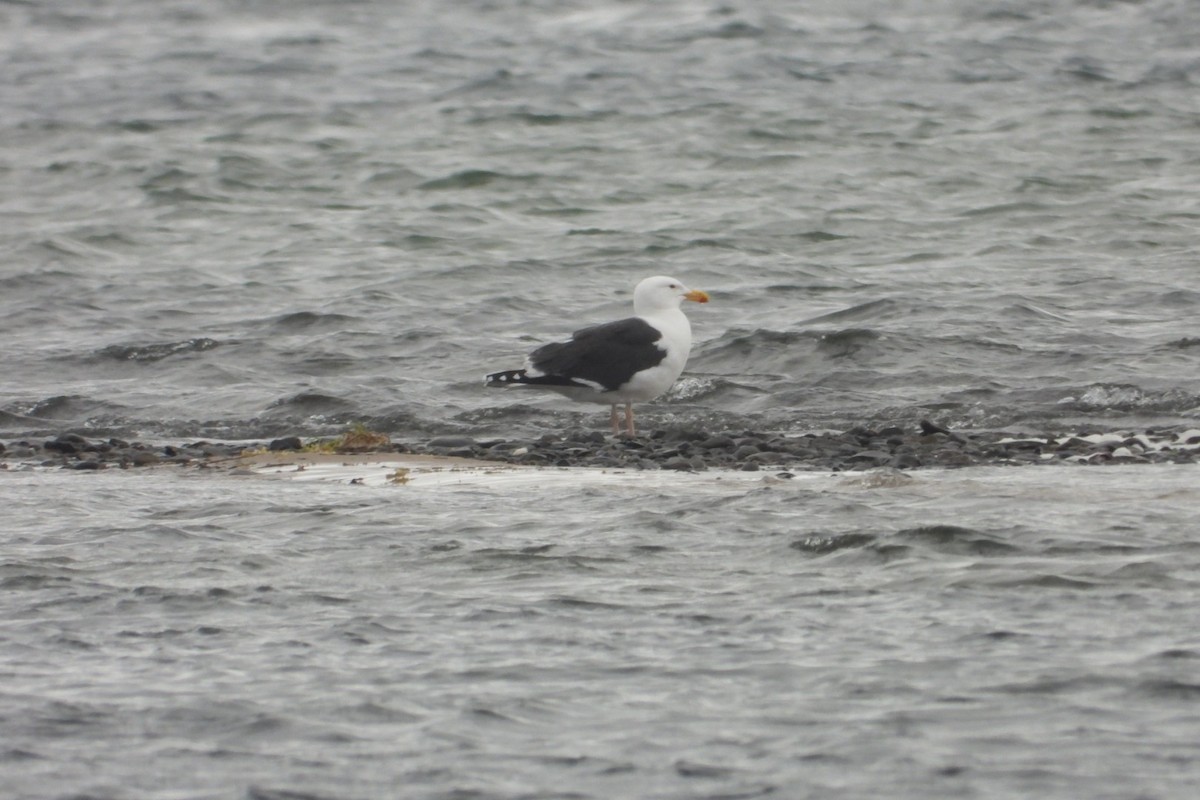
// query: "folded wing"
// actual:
[[606, 355]]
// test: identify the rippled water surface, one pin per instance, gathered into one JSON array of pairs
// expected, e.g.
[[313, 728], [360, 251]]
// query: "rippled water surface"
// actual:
[[240, 220], [962, 634]]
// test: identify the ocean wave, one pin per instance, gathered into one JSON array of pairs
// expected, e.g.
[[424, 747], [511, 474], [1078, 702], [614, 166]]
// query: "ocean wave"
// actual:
[[311, 403], [68, 407], [930, 539], [157, 351], [820, 544], [309, 320], [1130, 397], [694, 388], [873, 311], [957, 540], [772, 352], [846, 343], [473, 179], [38, 279]]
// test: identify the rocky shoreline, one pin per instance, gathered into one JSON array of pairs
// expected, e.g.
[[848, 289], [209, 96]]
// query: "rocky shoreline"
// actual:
[[930, 446]]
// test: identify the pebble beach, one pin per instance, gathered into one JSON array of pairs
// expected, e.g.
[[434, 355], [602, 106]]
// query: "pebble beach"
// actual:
[[930, 446]]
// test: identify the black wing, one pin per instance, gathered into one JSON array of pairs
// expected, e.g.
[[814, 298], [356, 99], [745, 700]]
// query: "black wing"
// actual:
[[607, 354]]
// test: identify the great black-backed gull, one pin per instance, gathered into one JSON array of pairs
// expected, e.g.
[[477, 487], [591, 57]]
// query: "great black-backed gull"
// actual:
[[628, 361]]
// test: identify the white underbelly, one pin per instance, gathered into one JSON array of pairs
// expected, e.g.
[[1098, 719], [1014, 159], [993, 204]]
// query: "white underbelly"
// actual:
[[650, 383]]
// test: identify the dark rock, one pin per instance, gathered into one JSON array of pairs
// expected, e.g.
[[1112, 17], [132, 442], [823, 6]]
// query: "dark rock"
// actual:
[[63, 445], [682, 435], [466, 441], [87, 465], [928, 428], [951, 458], [143, 458], [878, 456], [286, 443], [590, 437]]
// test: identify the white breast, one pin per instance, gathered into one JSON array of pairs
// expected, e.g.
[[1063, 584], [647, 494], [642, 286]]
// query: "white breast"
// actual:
[[677, 341]]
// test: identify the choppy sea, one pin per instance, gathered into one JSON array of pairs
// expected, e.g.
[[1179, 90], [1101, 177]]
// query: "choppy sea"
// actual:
[[237, 220]]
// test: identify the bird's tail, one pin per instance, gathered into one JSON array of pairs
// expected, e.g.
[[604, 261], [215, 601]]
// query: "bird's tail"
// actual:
[[506, 378], [519, 377]]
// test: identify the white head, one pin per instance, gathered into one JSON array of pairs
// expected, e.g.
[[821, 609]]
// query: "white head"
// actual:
[[661, 293]]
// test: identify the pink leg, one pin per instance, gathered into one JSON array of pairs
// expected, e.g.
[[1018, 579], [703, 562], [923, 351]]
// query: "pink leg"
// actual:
[[629, 419], [616, 425]]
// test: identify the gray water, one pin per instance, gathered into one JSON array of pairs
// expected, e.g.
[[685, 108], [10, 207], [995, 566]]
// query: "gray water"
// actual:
[[170, 636], [238, 220], [244, 219]]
